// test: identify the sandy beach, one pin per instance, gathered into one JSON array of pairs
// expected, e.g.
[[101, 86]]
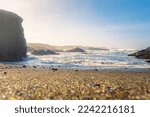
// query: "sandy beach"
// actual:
[[21, 82]]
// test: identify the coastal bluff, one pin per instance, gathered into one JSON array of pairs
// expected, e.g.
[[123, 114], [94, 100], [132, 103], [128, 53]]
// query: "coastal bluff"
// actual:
[[12, 40]]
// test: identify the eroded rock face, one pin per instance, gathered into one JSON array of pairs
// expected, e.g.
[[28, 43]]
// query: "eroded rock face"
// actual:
[[143, 54], [12, 41]]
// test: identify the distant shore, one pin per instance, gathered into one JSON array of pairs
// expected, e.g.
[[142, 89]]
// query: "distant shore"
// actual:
[[22, 82]]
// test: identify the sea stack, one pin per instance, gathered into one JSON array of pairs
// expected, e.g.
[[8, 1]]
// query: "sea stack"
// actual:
[[12, 41], [42, 52], [77, 49]]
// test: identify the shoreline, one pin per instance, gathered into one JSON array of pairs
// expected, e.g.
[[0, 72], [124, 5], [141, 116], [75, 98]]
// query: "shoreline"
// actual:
[[102, 69], [23, 82]]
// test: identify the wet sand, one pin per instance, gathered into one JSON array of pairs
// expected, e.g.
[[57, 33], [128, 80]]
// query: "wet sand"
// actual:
[[20, 82]]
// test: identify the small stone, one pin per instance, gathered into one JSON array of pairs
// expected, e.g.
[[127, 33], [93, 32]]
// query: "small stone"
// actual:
[[103, 88], [54, 69], [19, 93], [39, 94], [72, 92], [96, 69], [97, 91], [5, 73], [82, 92], [95, 85], [58, 98], [24, 66], [110, 90], [3, 96]]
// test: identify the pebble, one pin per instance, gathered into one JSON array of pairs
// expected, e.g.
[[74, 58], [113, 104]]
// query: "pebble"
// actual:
[[24, 66], [5, 73], [54, 69]]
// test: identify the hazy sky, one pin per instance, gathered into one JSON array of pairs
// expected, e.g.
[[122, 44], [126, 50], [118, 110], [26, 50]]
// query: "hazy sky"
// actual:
[[109, 23]]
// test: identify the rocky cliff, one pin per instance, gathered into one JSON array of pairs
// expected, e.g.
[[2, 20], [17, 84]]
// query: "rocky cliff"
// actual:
[[12, 41]]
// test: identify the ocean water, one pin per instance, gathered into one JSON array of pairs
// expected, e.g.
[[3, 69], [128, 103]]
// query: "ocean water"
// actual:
[[92, 59]]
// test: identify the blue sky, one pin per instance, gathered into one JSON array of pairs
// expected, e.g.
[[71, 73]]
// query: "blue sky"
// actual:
[[107, 23]]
